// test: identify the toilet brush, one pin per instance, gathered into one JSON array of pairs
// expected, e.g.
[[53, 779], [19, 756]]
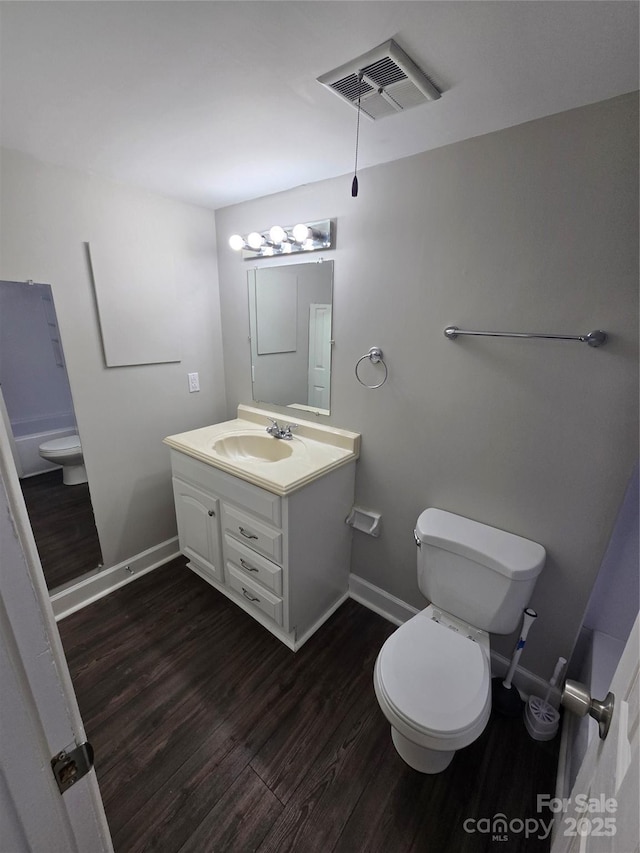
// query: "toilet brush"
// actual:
[[540, 718], [504, 697]]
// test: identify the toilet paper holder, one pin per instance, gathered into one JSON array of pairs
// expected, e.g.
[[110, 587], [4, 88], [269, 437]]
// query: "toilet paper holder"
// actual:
[[365, 520]]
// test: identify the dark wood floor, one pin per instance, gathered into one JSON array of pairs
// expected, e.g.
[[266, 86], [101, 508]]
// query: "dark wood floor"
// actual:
[[212, 736], [63, 526]]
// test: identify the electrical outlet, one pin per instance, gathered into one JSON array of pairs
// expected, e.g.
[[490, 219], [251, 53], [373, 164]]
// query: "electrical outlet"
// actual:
[[194, 382]]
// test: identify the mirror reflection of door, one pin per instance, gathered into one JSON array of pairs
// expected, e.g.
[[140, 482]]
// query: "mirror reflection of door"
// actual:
[[319, 355], [37, 406]]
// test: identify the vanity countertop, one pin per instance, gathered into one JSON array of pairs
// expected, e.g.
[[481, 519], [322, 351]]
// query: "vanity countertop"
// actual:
[[315, 449]]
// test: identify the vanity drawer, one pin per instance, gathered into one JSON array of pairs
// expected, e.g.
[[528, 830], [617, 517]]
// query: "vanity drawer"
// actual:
[[257, 597], [260, 502], [258, 568], [253, 533]]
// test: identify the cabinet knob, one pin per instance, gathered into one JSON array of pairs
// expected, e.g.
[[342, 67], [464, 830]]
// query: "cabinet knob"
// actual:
[[246, 566], [248, 595], [211, 512]]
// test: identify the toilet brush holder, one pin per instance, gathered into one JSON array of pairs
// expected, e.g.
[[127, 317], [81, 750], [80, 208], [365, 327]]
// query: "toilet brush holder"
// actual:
[[541, 719]]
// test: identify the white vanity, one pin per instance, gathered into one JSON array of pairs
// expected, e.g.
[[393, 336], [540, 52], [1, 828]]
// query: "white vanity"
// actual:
[[263, 519]]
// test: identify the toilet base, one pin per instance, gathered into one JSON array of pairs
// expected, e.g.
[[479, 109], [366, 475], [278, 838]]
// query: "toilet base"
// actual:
[[74, 475], [419, 757]]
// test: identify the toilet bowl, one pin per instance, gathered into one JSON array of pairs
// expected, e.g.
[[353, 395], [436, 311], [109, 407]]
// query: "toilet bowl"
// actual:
[[432, 676], [66, 452], [433, 682]]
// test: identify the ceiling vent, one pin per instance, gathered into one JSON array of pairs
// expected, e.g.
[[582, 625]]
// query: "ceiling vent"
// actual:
[[386, 80]]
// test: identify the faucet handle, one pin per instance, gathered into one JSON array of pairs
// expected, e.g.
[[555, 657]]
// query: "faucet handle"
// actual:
[[273, 428], [289, 427]]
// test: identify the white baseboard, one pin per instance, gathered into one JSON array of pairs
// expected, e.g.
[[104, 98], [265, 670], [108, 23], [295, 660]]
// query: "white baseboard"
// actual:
[[90, 589], [397, 611], [393, 609]]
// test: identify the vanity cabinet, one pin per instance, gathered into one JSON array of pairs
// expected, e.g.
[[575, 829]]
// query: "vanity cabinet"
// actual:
[[283, 559], [197, 514]]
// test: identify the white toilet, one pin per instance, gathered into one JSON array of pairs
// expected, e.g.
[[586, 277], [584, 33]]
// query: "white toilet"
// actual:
[[67, 452], [433, 675]]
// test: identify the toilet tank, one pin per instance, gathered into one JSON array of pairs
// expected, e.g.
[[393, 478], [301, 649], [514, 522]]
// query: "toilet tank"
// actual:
[[480, 574]]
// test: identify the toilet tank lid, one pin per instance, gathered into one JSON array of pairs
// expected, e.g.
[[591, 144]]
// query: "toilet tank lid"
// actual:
[[504, 552]]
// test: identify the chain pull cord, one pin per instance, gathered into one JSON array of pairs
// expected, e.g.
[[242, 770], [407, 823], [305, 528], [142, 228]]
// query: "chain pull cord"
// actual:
[[354, 183]]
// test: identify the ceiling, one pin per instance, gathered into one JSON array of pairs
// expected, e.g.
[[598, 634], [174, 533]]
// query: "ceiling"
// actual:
[[217, 102]]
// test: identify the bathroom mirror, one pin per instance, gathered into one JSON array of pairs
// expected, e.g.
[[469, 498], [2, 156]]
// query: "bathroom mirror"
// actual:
[[37, 408], [290, 319]]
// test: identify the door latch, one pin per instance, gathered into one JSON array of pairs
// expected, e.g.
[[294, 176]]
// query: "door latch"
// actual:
[[72, 764]]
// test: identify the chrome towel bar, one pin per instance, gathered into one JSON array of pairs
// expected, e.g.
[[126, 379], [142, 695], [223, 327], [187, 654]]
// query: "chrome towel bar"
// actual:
[[595, 339]]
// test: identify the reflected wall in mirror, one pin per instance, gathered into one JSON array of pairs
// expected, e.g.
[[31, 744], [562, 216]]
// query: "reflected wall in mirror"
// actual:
[[37, 408], [290, 312]]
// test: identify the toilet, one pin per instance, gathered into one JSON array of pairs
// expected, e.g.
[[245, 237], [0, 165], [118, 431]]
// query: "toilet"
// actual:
[[67, 452], [432, 676]]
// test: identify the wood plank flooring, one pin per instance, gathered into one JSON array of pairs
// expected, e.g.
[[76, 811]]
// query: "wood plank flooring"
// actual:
[[63, 526], [213, 737]]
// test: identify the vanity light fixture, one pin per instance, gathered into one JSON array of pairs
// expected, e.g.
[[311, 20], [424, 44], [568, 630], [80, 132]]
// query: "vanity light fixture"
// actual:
[[279, 240]]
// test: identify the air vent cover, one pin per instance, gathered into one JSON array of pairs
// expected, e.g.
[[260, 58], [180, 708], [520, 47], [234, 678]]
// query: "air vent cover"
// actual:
[[391, 82]]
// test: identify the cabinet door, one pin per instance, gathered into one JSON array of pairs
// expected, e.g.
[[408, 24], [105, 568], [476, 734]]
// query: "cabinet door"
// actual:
[[198, 527]]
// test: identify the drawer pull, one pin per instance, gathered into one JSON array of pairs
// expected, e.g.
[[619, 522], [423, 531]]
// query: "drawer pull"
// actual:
[[247, 566], [247, 535], [248, 595], [211, 512]]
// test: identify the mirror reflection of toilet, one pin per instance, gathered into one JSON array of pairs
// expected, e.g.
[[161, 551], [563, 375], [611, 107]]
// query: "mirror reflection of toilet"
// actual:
[[433, 675], [67, 452]]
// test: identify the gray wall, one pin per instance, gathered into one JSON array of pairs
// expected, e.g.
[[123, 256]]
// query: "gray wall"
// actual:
[[48, 214], [534, 228]]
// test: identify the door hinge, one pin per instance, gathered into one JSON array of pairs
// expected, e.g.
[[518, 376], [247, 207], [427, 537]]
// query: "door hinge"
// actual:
[[72, 764]]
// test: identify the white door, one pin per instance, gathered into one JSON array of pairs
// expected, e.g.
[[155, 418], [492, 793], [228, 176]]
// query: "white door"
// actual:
[[601, 815], [319, 355], [39, 715]]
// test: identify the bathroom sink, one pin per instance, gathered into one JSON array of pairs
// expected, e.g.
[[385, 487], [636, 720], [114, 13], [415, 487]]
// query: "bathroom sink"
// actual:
[[252, 448]]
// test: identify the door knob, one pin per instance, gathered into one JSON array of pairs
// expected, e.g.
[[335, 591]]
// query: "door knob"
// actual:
[[577, 699]]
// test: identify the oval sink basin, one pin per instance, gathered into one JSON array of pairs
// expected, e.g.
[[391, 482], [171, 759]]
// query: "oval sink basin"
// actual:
[[253, 448]]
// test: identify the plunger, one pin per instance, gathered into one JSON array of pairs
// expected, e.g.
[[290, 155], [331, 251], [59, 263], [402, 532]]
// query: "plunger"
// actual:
[[504, 696]]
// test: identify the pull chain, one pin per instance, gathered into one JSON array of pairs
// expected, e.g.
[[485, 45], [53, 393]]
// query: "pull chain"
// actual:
[[354, 183]]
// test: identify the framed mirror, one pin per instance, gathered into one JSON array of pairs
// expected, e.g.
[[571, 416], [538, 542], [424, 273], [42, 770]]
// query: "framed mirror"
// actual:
[[290, 322]]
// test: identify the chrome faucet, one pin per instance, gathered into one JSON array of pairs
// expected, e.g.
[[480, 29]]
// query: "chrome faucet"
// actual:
[[277, 431]]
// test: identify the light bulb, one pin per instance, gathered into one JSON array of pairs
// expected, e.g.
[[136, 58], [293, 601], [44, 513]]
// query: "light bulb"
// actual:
[[278, 234], [300, 233], [255, 240], [236, 242]]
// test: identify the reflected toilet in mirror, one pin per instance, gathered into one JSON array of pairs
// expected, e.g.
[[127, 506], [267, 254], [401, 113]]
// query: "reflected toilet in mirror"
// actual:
[[66, 452], [290, 322], [37, 409]]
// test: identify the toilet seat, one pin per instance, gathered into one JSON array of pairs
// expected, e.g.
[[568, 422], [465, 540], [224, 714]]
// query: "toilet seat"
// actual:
[[433, 683], [61, 446]]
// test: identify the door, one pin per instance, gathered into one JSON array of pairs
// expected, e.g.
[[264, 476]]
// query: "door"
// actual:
[[40, 715], [197, 514], [601, 815], [319, 355]]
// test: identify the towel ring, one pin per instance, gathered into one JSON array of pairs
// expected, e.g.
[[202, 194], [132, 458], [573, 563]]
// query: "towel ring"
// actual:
[[375, 357]]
